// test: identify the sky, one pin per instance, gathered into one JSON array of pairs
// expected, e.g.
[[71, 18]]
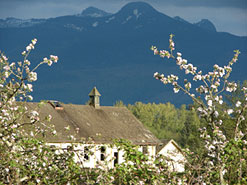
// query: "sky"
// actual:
[[227, 15]]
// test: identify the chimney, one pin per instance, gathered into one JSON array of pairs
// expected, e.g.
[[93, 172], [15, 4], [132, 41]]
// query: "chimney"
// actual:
[[94, 98]]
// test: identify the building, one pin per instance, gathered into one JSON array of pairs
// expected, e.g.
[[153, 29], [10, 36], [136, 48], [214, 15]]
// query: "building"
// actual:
[[173, 154], [96, 126]]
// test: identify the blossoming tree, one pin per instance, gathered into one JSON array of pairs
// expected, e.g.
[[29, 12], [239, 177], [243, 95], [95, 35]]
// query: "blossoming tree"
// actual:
[[24, 158], [224, 159]]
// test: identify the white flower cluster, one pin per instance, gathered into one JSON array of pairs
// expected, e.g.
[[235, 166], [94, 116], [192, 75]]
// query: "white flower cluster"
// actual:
[[170, 79], [28, 87], [162, 53], [51, 60], [171, 43], [231, 87], [30, 46], [32, 76], [182, 63], [34, 116], [165, 53], [155, 50]]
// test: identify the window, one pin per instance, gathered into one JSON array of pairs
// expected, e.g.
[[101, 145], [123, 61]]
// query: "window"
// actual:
[[115, 162], [57, 104], [144, 149], [53, 148], [102, 153], [86, 153]]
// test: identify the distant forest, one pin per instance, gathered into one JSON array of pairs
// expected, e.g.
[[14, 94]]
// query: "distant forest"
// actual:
[[181, 124]]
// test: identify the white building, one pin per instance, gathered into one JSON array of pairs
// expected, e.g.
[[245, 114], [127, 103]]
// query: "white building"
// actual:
[[93, 128], [173, 154]]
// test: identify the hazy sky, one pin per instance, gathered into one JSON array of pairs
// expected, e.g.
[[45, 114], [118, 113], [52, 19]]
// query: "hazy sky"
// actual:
[[227, 15]]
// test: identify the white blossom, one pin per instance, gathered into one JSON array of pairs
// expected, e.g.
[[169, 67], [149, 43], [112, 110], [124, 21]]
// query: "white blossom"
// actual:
[[34, 41], [210, 103], [28, 48], [229, 111], [54, 58], [49, 62], [238, 103], [49, 117], [30, 97], [176, 90], [54, 132], [6, 68], [32, 76], [6, 74], [216, 114], [28, 87], [27, 62], [34, 113]]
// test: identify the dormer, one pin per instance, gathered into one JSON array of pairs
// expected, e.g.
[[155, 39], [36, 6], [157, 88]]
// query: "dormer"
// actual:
[[55, 104]]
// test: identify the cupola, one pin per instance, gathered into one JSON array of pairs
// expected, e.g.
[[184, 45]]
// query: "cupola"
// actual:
[[94, 98]]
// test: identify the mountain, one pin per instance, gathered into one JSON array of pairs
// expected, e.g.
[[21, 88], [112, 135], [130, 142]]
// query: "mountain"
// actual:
[[113, 53], [93, 12], [206, 24], [12, 22]]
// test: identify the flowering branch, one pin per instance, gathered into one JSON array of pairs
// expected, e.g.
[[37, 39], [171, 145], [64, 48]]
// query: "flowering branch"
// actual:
[[215, 140]]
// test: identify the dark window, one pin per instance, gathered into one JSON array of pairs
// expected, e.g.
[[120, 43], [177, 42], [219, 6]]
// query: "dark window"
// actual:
[[57, 104], [102, 153], [115, 162], [53, 147], [144, 149], [86, 152]]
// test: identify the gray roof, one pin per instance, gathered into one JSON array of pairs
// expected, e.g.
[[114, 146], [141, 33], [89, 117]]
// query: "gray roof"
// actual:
[[101, 125]]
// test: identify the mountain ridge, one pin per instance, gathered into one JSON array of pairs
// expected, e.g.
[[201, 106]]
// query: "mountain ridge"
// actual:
[[112, 52], [130, 8]]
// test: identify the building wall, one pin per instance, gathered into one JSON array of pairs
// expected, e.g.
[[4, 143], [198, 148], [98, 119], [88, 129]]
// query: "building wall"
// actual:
[[149, 150], [90, 155], [175, 158]]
